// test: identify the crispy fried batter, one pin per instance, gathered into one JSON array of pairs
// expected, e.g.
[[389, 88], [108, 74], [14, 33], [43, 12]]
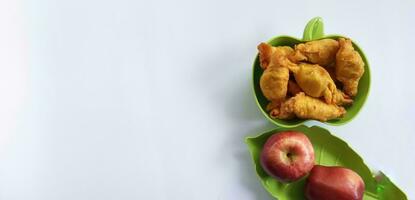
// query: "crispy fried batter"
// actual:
[[340, 98], [305, 107], [321, 52], [268, 53], [314, 94], [283, 111], [274, 80], [349, 67], [316, 82], [293, 88], [273, 83]]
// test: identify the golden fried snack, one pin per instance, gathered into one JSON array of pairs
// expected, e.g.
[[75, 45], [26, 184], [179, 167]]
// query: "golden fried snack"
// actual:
[[268, 53], [274, 80], [306, 107], [341, 98], [273, 83], [283, 111], [321, 52], [349, 67], [331, 69], [293, 88], [314, 80], [273, 105]]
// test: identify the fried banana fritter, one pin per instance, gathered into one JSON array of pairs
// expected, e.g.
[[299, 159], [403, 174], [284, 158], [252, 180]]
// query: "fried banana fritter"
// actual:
[[306, 107], [321, 52], [274, 80], [349, 67], [316, 82]]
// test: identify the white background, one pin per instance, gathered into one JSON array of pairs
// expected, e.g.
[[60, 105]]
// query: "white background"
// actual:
[[131, 100]]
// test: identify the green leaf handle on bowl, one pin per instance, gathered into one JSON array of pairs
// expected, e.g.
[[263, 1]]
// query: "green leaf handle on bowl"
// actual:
[[329, 151], [313, 30]]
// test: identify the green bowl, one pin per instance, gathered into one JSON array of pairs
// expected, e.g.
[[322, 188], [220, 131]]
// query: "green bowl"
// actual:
[[313, 31]]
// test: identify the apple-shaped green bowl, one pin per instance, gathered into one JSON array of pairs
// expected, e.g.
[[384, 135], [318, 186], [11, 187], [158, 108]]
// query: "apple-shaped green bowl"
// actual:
[[313, 31]]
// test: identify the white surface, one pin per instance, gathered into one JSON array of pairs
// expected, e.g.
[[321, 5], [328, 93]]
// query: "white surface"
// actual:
[[151, 100]]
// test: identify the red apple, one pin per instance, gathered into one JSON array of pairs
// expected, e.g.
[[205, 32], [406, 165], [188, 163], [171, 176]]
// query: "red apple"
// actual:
[[339, 183], [287, 156]]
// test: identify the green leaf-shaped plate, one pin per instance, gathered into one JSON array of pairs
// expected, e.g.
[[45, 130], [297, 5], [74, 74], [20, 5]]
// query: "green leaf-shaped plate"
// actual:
[[313, 31], [329, 151]]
